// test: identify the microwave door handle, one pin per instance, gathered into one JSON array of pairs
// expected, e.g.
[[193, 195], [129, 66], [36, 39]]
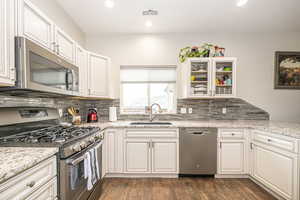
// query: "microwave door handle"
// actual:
[[67, 80]]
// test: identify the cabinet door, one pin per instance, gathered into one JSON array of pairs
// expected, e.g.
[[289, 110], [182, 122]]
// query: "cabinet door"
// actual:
[[114, 145], [224, 77], [7, 67], [98, 75], [164, 156], [199, 77], [65, 46], [231, 157], [137, 156], [277, 170], [81, 62], [33, 24]]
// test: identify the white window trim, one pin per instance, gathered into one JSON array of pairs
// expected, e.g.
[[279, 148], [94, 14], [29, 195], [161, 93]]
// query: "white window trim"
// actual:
[[174, 110]]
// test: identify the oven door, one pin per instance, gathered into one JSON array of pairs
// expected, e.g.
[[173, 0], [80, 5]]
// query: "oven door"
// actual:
[[73, 185], [44, 70]]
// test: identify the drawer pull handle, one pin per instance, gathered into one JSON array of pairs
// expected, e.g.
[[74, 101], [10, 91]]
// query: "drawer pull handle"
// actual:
[[31, 184], [269, 140], [232, 134]]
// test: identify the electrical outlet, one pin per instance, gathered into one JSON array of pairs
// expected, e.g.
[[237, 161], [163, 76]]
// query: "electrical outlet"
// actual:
[[60, 112], [224, 110], [190, 110], [183, 110]]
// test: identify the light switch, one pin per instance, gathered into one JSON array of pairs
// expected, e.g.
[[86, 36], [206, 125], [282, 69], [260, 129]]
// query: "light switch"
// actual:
[[183, 110], [190, 110]]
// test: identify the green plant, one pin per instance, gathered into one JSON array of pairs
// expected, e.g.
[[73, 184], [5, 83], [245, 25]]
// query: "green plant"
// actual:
[[189, 52]]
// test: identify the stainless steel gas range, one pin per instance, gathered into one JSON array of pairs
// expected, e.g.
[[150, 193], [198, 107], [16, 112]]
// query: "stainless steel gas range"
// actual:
[[40, 127]]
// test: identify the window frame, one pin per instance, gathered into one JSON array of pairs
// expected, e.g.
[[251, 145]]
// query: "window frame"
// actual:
[[124, 112]]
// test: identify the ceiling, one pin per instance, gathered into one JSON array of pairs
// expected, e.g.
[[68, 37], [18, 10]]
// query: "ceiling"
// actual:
[[179, 16]]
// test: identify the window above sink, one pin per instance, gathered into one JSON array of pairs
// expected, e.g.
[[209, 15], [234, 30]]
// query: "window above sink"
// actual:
[[142, 86]]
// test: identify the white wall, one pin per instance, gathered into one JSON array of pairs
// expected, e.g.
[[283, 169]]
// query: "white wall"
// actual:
[[61, 18], [255, 53]]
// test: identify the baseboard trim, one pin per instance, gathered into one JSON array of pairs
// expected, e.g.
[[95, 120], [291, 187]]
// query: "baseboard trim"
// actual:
[[231, 176], [141, 176]]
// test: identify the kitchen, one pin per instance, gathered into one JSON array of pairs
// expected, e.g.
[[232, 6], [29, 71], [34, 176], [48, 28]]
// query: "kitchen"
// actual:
[[104, 99]]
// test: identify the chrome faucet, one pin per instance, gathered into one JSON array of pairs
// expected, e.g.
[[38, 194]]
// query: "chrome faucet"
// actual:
[[150, 110]]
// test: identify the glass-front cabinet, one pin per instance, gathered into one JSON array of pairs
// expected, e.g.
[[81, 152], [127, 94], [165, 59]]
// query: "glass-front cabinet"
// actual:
[[209, 77]]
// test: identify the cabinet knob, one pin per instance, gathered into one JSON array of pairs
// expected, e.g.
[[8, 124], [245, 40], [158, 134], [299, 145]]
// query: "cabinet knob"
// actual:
[[269, 140], [31, 184]]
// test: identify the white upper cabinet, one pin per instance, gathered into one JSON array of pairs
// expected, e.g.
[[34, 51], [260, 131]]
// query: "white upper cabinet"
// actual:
[[64, 45], [7, 47], [224, 77], [81, 62], [98, 75], [34, 25], [209, 78]]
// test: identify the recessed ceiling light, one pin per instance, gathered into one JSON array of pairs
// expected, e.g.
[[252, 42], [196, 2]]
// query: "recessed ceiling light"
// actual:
[[109, 3], [148, 23], [241, 3]]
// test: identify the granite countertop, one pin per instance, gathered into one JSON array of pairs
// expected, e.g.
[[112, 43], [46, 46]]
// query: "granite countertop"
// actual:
[[14, 160], [283, 128]]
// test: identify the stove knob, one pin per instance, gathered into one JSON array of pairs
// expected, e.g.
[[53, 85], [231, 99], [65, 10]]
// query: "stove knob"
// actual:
[[76, 148], [92, 140], [83, 145]]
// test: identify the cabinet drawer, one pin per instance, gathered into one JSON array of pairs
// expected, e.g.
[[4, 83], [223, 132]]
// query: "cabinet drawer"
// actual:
[[24, 184], [284, 143], [232, 134], [46, 192], [146, 133]]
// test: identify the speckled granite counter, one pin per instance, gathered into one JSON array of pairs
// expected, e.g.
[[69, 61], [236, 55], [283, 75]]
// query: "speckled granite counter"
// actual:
[[14, 160], [282, 128]]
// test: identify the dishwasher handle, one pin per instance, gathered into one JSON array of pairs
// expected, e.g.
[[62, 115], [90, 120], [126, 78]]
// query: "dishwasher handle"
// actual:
[[202, 133]]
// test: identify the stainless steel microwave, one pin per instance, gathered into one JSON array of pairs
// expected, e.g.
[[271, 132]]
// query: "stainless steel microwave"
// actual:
[[40, 70]]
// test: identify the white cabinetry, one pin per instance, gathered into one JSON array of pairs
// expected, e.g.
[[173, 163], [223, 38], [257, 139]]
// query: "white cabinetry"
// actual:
[[232, 152], [98, 75], [137, 156], [164, 156], [81, 62], [35, 183], [64, 45], [114, 150], [153, 151], [34, 25], [209, 77], [274, 167], [7, 32]]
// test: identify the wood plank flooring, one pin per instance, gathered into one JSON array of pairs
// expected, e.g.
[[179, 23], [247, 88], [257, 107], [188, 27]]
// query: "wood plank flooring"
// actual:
[[182, 189]]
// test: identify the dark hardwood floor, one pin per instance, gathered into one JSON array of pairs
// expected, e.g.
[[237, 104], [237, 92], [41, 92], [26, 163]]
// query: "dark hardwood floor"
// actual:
[[182, 189]]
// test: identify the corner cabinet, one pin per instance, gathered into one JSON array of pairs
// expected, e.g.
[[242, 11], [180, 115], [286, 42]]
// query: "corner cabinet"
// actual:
[[98, 76], [209, 78], [81, 62], [7, 48], [275, 163]]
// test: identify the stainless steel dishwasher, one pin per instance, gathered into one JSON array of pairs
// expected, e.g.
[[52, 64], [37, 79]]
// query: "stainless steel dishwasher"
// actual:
[[198, 151]]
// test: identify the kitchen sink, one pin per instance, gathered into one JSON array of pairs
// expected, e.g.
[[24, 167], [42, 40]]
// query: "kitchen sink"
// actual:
[[151, 123]]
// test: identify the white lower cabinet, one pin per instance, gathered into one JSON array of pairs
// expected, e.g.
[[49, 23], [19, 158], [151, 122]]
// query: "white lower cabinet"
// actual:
[[232, 152], [276, 169], [164, 156], [232, 157], [137, 156], [114, 150], [38, 182], [145, 151]]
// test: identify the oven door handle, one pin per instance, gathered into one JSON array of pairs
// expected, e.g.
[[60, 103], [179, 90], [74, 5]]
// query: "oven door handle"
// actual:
[[77, 160]]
